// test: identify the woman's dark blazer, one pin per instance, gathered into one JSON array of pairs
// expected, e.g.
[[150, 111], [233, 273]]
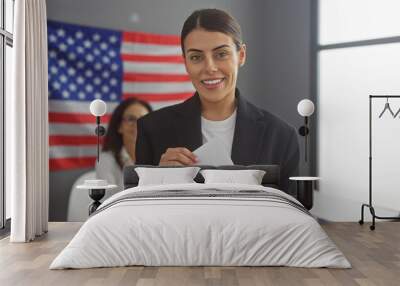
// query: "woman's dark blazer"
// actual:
[[259, 138]]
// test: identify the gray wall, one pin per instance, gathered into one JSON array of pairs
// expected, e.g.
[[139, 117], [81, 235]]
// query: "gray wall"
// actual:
[[277, 34]]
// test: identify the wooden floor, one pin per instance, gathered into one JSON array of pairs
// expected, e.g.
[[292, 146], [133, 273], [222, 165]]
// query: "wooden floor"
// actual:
[[375, 256]]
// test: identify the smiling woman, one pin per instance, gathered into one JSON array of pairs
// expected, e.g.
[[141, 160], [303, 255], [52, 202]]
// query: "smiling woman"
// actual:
[[213, 52], [212, 62]]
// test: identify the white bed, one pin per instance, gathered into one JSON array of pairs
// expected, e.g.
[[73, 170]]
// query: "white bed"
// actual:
[[238, 229]]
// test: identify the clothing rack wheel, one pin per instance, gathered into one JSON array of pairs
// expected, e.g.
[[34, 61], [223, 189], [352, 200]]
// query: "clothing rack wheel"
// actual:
[[372, 211], [374, 216]]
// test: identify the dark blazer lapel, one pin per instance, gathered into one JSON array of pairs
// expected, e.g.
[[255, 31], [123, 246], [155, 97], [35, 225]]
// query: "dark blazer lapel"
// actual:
[[249, 129], [187, 124], [249, 133]]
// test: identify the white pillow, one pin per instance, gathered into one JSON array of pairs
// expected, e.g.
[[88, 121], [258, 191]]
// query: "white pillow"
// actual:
[[162, 176], [248, 177]]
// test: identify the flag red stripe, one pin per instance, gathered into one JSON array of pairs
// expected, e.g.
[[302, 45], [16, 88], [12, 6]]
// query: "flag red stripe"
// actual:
[[158, 96], [61, 164], [75, 140], [140, 77], [146, 38], [77, 118], [152, 59]]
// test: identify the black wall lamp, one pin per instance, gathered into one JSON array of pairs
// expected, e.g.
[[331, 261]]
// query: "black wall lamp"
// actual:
[[305, 108], [98, 108]]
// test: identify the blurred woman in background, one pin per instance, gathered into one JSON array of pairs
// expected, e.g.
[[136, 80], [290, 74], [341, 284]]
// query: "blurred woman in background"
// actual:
[[120, 140]]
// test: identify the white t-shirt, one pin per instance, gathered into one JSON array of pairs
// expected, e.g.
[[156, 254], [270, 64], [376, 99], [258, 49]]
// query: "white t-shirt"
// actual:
[[223, 129]]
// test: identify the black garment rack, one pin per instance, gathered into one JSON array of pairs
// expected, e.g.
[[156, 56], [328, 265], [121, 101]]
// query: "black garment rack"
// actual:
[[370, 206]]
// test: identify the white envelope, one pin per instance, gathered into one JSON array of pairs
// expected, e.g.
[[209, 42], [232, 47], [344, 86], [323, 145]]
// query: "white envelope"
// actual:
[[213, 153]]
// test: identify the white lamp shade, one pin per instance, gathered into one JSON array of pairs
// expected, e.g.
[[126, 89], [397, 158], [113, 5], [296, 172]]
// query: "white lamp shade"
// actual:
[[305, 107], [98, 107]]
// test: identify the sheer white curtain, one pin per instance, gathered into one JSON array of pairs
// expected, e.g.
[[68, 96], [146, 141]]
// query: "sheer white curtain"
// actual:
[[27, 124]]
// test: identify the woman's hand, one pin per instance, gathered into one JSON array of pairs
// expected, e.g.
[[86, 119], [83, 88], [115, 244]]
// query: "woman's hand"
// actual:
[[177, 157]]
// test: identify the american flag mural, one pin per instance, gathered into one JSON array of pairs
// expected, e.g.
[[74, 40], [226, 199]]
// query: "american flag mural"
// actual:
[[87, 63]]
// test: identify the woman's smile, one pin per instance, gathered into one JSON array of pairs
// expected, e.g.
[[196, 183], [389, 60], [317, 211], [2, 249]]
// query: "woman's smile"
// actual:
[[213, 83]]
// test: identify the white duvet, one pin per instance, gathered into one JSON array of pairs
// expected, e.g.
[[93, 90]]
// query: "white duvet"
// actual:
[[200, 231]]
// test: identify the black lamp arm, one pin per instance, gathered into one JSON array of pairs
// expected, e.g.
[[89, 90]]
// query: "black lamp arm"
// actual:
[[100, 131], [304, 131]]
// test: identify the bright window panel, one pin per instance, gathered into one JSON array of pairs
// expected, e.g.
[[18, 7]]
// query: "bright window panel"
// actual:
[[346, 79], [355, 20], [9, 15], [1, 136], [8, 89]]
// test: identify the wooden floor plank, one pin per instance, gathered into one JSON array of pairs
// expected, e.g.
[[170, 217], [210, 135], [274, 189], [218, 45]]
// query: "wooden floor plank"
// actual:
[[374, 255]]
